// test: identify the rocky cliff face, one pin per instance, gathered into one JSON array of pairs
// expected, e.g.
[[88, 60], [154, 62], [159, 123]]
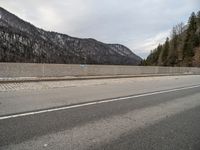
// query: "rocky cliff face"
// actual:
[[20, 41]]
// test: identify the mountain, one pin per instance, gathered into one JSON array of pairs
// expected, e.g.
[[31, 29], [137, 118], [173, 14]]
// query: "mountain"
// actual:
[[182, 49], [21, 41]]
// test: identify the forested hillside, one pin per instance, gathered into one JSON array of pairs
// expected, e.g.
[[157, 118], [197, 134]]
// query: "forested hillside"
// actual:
[[182, 48]]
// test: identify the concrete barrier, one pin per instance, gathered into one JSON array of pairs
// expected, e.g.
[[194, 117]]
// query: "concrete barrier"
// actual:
[[61, 70]]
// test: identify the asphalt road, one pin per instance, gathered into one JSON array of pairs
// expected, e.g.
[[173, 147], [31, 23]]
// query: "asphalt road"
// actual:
[[159, 119], [25, 97]]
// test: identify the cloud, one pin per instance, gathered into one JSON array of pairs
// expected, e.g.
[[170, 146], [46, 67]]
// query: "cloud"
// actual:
[[138, 24], [144, 47]]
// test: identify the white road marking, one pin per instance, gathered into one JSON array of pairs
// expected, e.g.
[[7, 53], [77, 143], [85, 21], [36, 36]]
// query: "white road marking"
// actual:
[[94, 103], [95, 133]]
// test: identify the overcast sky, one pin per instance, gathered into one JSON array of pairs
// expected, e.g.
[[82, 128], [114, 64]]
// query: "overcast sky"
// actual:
[[138, 24]]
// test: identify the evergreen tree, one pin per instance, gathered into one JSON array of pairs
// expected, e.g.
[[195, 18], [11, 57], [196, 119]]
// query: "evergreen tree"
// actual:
[[197, 35], [192, 22], [190, 37], [198, 18], [165, 51], [153, 58]]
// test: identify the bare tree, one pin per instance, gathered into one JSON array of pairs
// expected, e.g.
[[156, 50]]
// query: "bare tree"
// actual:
[[177, 30]]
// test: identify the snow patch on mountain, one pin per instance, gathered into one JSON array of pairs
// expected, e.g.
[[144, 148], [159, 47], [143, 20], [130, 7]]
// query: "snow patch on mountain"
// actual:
[[27, 43]]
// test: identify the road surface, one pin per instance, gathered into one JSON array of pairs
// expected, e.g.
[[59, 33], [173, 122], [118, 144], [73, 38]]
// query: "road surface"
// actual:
[[140, 114]]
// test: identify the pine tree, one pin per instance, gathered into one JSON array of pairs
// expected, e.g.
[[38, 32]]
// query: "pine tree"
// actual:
[[197, 35], [165, 51], [190, 37], [198, 18], [192, 22]]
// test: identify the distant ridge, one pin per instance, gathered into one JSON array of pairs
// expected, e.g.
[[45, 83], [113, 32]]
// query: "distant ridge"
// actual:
[[21, 41]]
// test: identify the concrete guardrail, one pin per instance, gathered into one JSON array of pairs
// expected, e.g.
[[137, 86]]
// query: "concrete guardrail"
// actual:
[[9, 70]]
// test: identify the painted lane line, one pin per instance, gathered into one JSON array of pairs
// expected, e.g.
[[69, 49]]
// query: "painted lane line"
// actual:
[[94, 103]]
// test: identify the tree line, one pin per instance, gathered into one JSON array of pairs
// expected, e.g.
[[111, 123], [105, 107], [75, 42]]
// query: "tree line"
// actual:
[[182, 48]]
